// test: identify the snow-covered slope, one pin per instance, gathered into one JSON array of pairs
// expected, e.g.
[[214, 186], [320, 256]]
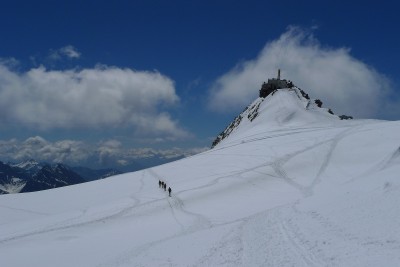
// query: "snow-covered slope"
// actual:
[[294, 187]]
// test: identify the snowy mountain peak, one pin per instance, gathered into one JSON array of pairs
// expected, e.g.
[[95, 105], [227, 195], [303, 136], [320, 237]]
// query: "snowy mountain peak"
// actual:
[[28, 165], [279, 108], [52, 176]]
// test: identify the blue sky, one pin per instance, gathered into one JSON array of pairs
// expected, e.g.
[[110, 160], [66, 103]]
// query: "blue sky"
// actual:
[[113, 82]]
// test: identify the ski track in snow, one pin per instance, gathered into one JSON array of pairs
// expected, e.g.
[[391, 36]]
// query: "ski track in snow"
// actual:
[[69, 224], [286, 132], [177, 206], [228, 251], [278, 164], [298, 245], [334, 143], [25, 210], [287, 231], [75, 222]]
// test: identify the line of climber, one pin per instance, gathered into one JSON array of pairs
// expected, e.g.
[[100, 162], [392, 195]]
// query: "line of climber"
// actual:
[[163, 185]]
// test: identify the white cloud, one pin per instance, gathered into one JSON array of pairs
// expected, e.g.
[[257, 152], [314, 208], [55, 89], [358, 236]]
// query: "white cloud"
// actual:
[[90, 98], [109, 151], [162, 123], [9, 62], [40, 149], [342, 82], [68, 51]]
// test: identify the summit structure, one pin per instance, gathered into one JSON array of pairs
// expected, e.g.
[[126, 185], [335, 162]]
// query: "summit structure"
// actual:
[[274, 84]]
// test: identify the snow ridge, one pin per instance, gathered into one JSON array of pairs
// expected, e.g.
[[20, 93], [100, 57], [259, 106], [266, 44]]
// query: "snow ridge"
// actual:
[[278, 108]]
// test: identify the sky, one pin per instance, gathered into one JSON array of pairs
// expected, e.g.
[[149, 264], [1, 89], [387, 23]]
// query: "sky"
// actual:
[[103, 83]]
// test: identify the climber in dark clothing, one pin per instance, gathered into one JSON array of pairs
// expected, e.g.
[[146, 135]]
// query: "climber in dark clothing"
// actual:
[[169, 191], [159, 183], [165, 187]]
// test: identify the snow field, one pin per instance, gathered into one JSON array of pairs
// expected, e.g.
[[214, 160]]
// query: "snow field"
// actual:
[[295, 187]]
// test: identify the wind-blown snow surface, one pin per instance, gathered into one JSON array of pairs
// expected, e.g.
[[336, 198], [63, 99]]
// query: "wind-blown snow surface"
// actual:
[[295, 187]]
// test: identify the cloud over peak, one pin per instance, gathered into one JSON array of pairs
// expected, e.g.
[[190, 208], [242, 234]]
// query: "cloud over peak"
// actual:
[[344, 83]]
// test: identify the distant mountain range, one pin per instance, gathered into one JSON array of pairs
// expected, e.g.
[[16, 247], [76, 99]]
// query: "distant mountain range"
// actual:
[[30, 176]]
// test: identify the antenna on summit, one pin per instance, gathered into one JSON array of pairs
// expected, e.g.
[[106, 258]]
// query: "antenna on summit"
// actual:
[[274, 84]]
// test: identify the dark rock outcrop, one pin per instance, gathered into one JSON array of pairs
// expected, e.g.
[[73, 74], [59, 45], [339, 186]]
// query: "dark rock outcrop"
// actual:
[[11, 178], [51, 177]]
